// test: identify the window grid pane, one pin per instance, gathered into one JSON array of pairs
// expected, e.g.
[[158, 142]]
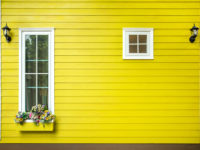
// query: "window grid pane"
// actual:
[[43, 80], [133, 39], [30, 43], [142, 38], [43, 96], [43, 47], [132, 48], [29, 98], [142, 48], [36, 93]]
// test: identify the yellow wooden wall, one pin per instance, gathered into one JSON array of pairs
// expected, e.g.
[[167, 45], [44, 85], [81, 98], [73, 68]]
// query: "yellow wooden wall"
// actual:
[[99, 97]]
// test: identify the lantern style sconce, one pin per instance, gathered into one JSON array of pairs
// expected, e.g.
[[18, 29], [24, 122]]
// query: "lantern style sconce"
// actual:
[[6, 33], [194, 32]]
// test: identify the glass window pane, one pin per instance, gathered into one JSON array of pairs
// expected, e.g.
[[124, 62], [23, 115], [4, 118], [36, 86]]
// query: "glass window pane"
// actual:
[[41, 60], [30, 46], [30, 66], [132, 38], [43, 96], [42, 66], [142, 38], [30, 80], [30, 98], [132, 48], [43, 80], [43, 47], [142, 49]]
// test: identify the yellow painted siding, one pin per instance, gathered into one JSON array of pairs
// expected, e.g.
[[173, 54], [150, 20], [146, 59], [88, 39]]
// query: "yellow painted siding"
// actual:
[[99, 97]]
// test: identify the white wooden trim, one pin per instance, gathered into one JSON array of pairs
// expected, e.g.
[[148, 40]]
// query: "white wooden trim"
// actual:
[[148, 32], [47, 31], [138, 29], [52, 103]]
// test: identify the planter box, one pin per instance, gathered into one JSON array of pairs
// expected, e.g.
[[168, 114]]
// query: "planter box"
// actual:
[[30, 126]]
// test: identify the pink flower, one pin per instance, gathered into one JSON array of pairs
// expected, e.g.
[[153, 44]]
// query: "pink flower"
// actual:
[[30, 115]]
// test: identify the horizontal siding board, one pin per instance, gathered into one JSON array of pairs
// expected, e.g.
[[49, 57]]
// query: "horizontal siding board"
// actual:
[[125, 73], [110, 134], [135, 113], [131, 100], [117, 52], [105, 140], [116, 73], [108, 93], [116, 107], [119, 92], [98, 5], [116, 120], [101, 140], [122, 86], [113, 100], [103, 19], [165, 127], [99, 12], [114, 66], [130, 80], [113, 59], [113, 79], [115, 86]]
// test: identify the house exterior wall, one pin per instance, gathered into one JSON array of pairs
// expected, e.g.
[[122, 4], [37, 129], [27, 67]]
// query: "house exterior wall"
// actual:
[[99, 97]]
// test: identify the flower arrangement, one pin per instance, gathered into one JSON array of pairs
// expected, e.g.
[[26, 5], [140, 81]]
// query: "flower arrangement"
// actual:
[[39, 113], [21, 117], [47, 117]]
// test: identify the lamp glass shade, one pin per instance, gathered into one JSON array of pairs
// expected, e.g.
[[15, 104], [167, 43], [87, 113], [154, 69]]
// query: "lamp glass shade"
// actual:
[[195, 32], [6, 30]]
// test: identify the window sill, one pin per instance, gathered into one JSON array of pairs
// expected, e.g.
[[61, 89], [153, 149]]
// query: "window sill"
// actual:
[[30, 126]]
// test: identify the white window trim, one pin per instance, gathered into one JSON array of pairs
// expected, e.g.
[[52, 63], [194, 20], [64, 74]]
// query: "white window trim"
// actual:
[[148, 31], [50, 66]]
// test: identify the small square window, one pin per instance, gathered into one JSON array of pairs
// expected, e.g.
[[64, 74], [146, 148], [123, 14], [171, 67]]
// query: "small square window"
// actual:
[[137, 43]]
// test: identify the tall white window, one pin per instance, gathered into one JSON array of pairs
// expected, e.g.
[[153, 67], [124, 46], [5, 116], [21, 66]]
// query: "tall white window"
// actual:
[[137, 43], [36, 64]]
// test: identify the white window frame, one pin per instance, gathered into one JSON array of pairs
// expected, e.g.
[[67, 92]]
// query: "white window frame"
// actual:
[[45, 31], [138, 31]]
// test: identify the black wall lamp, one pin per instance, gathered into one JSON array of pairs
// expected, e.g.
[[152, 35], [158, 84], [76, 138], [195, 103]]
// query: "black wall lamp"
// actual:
[[194, 32], [6, 33]]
